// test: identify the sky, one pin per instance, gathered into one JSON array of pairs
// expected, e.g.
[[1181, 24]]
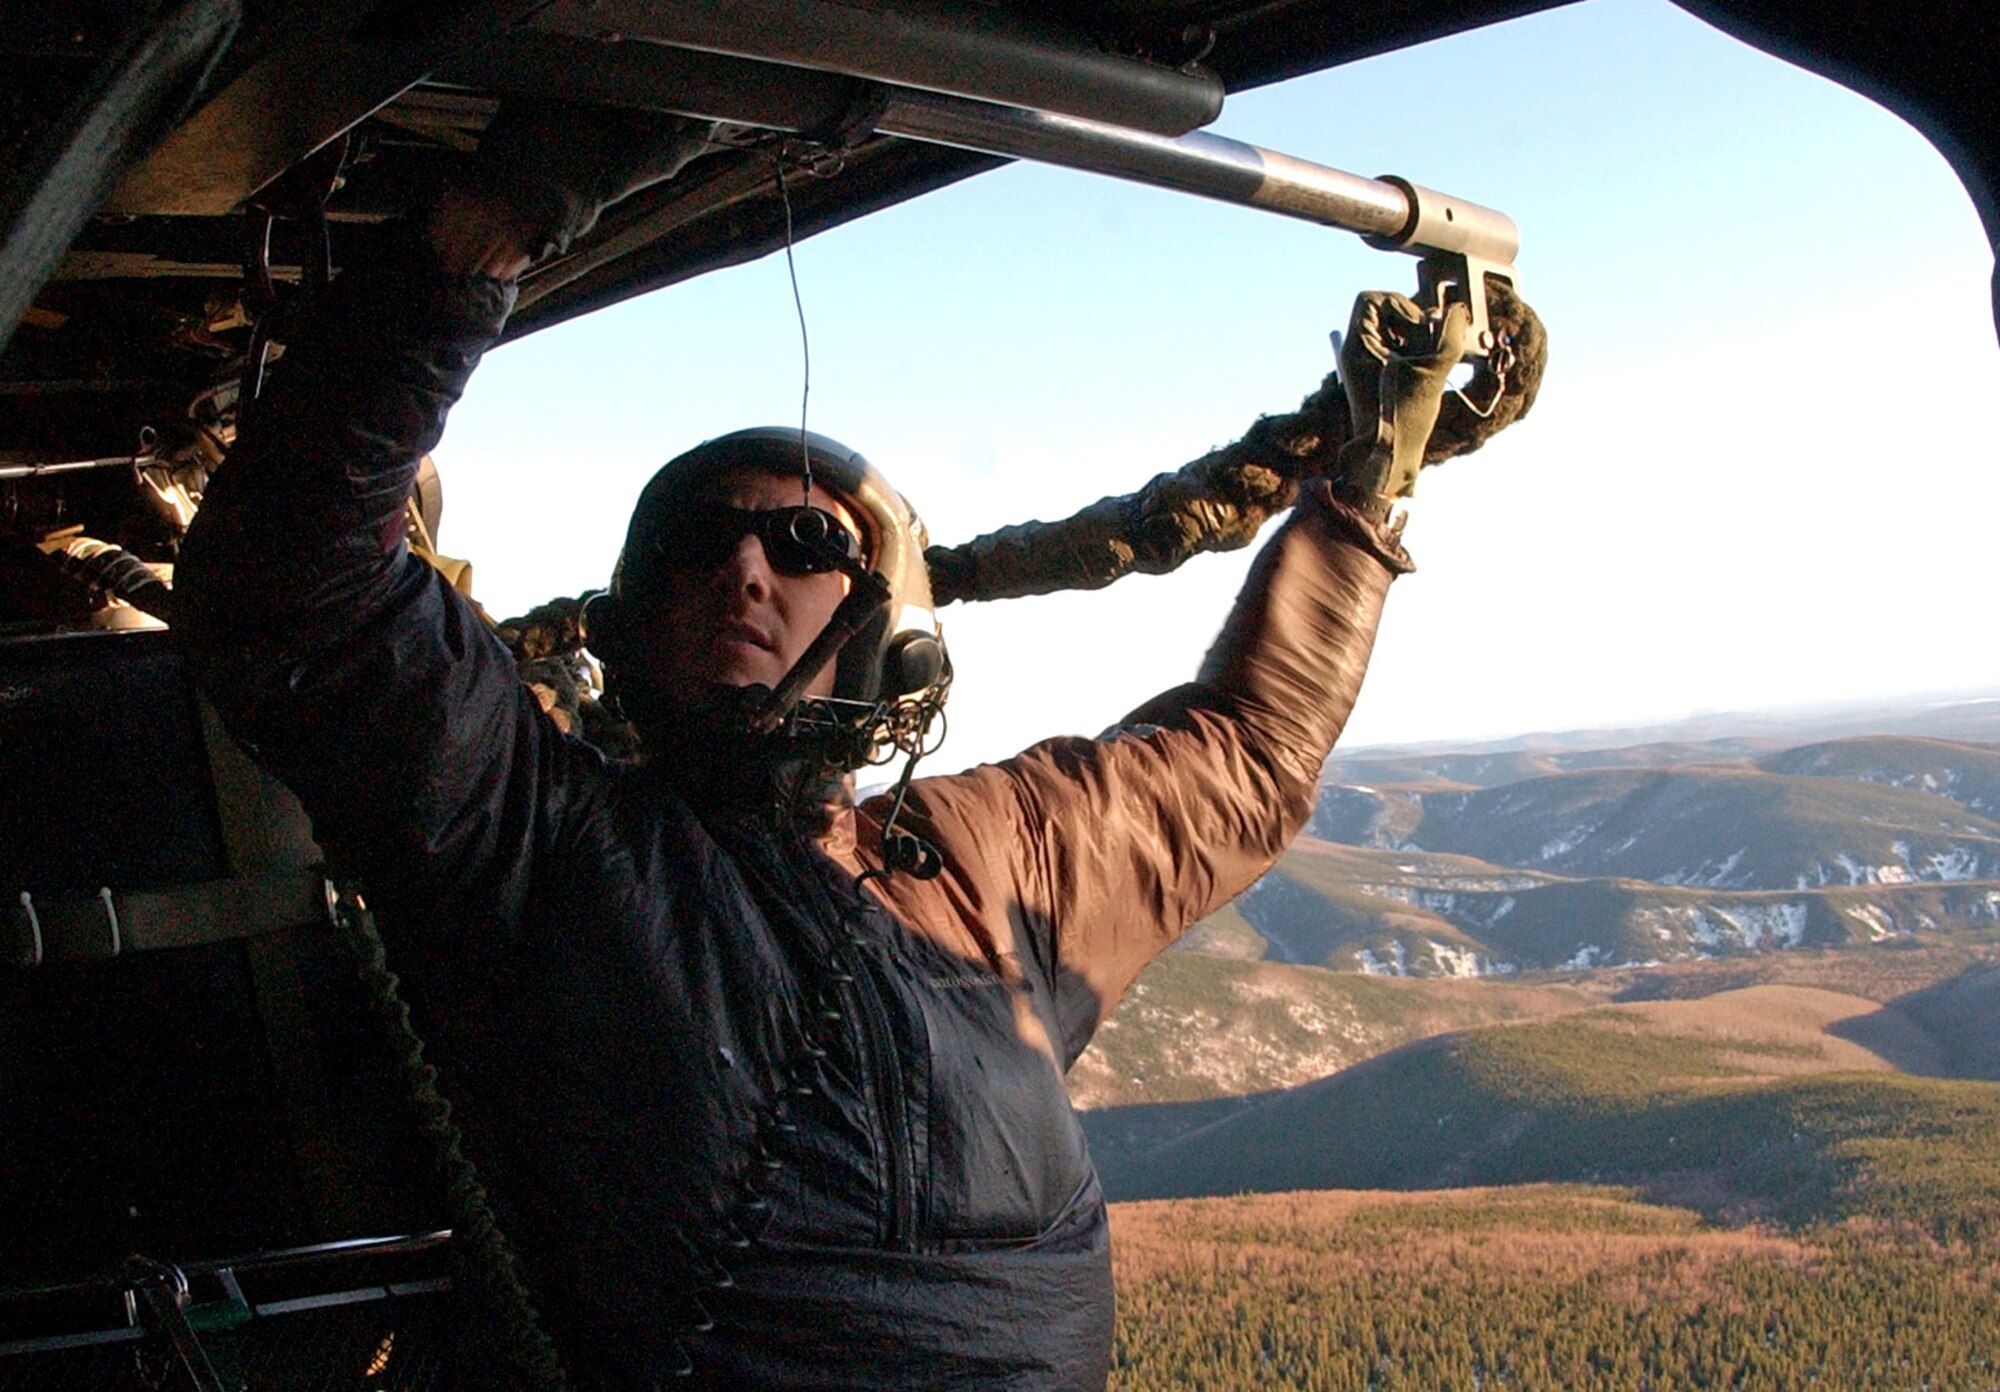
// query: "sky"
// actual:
[[1760, 471]]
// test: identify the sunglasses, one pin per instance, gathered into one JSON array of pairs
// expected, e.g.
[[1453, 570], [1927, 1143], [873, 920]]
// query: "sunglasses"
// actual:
[[796, 540]]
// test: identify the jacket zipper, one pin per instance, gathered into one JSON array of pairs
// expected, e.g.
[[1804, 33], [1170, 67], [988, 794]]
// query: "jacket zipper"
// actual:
[[888, 1080]]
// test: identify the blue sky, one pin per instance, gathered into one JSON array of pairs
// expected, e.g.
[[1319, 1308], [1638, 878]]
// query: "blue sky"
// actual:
[[1758, 474]]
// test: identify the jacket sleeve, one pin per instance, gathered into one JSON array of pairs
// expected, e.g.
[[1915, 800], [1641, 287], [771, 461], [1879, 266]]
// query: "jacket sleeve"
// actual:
[[345, 664], [1111, 847]]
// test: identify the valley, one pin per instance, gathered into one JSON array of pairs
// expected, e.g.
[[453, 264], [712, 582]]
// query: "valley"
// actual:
[[1670, 1064]]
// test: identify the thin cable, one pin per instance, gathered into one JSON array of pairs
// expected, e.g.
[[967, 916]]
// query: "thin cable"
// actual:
[[805, 341]]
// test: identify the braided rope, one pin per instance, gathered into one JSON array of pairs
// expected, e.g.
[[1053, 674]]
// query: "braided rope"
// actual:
[[487, 1263], [1215, 503], [1219, 501]]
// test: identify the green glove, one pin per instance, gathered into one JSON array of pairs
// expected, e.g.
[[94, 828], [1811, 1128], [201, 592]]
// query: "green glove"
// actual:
[[557, 165], [1394, 364]]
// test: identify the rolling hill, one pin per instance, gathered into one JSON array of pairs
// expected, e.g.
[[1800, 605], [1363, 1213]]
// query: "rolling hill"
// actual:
[[1407, 913], [1968, 774], [1199, 1034], [1680, 1060], [1775, 1100], [1970, 716], [1735, 826], [1476, 769], [1633, 855]]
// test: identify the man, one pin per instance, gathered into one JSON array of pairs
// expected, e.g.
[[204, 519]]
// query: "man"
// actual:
[[765, 1097]]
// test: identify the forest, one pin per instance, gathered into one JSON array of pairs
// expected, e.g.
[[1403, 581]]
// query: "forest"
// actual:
[[1542, 1287]]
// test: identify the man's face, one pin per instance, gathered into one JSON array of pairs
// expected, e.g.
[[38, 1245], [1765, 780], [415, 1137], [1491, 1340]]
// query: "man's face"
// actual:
[[742, 620]]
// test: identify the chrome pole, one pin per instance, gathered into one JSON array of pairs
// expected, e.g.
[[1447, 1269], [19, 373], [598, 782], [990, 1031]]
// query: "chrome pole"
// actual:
[[1460, 241], [1213, 166], [71, 466]]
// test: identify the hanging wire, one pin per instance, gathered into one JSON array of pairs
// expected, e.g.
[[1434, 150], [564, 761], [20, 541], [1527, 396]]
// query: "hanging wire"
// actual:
[[805, 342]]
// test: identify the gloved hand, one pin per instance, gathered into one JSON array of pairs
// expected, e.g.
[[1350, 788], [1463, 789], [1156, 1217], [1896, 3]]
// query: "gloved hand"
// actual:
[[1394, 363], [556, 165]]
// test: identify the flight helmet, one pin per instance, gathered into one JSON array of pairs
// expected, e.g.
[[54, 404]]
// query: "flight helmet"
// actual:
[[897, 660]]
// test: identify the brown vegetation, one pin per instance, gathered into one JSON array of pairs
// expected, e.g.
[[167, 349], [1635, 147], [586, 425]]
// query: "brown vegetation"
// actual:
[[1538, 1287]]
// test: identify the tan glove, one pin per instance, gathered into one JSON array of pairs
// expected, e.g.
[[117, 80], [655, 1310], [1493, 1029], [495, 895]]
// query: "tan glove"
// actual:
[[556, 165], [1394, 364]]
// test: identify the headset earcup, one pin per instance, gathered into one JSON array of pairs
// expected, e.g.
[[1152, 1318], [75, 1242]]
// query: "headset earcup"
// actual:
[[913, 662], [597, 624]]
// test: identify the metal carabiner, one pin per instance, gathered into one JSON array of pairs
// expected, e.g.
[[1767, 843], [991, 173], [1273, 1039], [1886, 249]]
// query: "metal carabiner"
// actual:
[[1499, 362], [35, 945], [111, 917]]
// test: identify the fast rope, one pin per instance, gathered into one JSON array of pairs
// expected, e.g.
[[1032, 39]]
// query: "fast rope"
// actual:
[[1219, 501]]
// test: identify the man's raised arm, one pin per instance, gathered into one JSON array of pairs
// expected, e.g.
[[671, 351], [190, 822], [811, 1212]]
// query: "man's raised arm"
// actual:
[[345, 663], [1122, 841]]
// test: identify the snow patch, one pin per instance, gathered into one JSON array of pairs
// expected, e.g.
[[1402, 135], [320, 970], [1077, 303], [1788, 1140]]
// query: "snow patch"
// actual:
[[1784, 924], [1859, 874], [1709, 874], [1397, 965], [1728, 867], [1670, 922], [1875, 920], [1454, 961], [1955, 864], [1567, 842]]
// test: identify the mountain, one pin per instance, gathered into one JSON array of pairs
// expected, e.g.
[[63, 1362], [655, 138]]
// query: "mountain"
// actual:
[[1967, 774], [1416, 913], [1967, 715], [1197, 1027], [1488, 864], [1738, 826], [1199, 1033], [1477, 769], [1773, 1099]]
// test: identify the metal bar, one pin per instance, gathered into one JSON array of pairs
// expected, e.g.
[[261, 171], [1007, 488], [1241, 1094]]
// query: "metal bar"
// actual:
[[55, 1343], [124, 111], [319, 69], [1390, 212], [649, 76], [394, 1290], [1460, 243], [269, 1258], [976, 51], [72, 466]]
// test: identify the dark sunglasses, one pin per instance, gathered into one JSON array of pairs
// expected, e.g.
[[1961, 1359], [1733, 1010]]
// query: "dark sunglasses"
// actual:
[[797, 540]]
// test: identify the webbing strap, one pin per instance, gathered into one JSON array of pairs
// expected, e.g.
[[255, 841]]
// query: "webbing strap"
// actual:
[[105, 924]]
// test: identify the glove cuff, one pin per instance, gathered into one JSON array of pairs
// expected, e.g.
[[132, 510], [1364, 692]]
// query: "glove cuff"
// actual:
[[1349, 514]]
